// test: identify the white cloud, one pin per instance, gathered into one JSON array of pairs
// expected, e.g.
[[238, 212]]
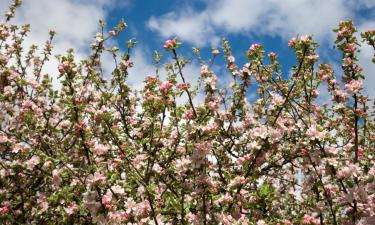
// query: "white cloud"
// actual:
[[142, 67], [268, 17], [187, 25], [365, 56], [273, 17], [75, 23]]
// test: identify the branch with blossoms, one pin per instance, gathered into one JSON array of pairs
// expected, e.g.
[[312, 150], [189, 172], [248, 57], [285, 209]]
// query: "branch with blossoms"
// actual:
[[96, 151]]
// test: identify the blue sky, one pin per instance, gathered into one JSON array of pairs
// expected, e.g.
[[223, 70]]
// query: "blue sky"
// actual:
[[200, 23]]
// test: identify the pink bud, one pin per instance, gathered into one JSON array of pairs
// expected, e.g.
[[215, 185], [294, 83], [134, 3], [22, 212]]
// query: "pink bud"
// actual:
[[4, 210], [61, 69], [170, 44], [65, 64], [4, 34]]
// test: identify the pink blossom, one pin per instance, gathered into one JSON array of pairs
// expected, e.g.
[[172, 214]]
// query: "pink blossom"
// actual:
[[272, 55], [347, 61], [231, 59], [61, 69], [260, 132], [32, 162], [305, 39], [254, 50], [287, 222], [350, 48], [343, 32], [215, 52], [56, 179], [3, 59], [308, 219], [354, 86], [225, 219], [98, 177], [165, 87], [277, 100], [182, 165], [101, 149], [261, 222], [292, 42], [314, 134], [3, 138], [313, 58], [4, 34], [71, 209], [205, 71], [4, 210], [304, 151], [188, 114], [254, 47], [183, 86], [118, 189], [170, 44], [213, 105], [360, 152], [66, 65], [42, 202], [346, 171], [107, 199]]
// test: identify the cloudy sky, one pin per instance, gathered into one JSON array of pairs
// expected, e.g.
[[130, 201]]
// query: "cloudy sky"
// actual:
[[200, 23]]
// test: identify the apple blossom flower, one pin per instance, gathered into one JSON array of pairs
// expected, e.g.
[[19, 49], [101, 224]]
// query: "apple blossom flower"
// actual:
[[343, 32], [292, 42], [32, 162], [99, 37], [277, 100], [205, 71], [98, 177], [4, 210], [354, 86], [215, 52], [42, 202], [305, 39], [308, 219], [107, 199], [313, 58], [101, 149], [118, 189], [314, 134], [170, 45], [261, 222], [360, 152], [304, 151], [254, 47], [71, 209], [165, 87], [347, 62], [3, 138], [273, 56], [231, 59], [260, 132], [350, 48], [4, 34], [188, 114], [346, 171], [56, 179]]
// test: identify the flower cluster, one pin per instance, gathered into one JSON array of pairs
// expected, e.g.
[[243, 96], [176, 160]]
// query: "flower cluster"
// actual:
[[96, 151]]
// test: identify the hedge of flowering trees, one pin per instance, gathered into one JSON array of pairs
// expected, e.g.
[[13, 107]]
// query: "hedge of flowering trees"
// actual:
[[97, 152]]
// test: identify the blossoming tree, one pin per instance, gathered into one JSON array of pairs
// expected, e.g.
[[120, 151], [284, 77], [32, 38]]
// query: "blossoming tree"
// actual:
[[97, 152]]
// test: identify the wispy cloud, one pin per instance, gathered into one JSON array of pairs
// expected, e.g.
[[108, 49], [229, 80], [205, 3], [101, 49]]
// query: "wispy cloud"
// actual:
[[268, 18], [75, 23], [272, 17]]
